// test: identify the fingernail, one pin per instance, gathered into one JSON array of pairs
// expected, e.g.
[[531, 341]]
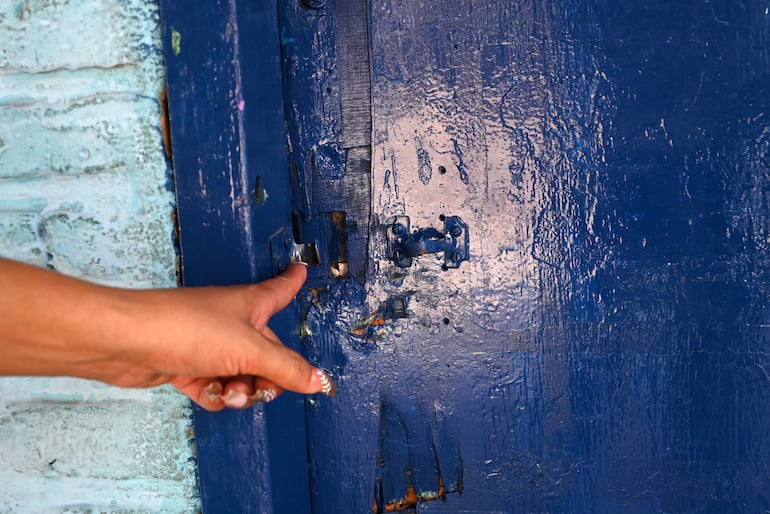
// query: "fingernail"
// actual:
[[213, 391], [264, 395], [235, 399], [328, 387]]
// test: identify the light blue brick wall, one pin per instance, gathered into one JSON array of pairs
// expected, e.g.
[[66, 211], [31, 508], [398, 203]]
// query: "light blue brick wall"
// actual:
[[83, 189]]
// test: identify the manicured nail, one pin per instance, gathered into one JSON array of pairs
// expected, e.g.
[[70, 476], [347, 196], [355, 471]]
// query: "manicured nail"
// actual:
[[328, 387], [235, 399], [213, 391], [264, 395]]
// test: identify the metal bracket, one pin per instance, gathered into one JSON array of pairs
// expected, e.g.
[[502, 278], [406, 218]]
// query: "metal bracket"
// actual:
[[403, 246], [319, 243]]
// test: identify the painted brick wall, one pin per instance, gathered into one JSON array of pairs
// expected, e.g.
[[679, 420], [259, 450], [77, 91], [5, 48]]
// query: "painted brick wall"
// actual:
[[83, 190]]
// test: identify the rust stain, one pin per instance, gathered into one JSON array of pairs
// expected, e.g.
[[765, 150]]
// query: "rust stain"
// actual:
[[407, 502], [165, 124], [361, 327], [411, 499]]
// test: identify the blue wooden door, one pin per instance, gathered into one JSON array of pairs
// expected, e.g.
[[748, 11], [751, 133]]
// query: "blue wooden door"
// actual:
[[539, 233]]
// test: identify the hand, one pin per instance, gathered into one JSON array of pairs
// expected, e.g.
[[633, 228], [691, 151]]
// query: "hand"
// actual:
[[224, 354], [212, 343]]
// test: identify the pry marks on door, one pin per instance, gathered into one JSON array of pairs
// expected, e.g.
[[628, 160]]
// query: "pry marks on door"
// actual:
[[418, 460]]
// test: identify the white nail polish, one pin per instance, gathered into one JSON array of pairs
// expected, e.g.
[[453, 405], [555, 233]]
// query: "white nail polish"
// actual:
[[236, 399], [213, 391], [328, 387], [264, 395]]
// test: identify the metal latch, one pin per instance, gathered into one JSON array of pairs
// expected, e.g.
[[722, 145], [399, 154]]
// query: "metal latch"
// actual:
[[320, 243], [404, 245]]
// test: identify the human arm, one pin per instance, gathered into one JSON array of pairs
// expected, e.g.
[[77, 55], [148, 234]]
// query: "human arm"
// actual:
[[211, 343]]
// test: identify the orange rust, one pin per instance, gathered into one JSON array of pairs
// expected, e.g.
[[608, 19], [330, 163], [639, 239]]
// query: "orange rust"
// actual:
[[411, 499], [165, 124], [407, 502], [360, 327], [338, 218]]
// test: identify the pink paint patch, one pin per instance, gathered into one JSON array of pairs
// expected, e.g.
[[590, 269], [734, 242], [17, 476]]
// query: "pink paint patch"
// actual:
[[241, 105]]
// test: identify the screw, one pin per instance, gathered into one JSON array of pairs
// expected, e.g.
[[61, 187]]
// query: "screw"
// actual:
[[456, 231], [457, 256], [398, 229], [312, 4]]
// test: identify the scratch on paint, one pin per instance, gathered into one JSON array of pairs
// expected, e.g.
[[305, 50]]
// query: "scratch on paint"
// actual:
[[244, 211], [461, 163], [764, 372], [395, 174], [424, 168]]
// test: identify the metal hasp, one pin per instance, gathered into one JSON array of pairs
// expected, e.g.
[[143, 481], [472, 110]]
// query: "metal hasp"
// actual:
[[320, 243], [404, 246]]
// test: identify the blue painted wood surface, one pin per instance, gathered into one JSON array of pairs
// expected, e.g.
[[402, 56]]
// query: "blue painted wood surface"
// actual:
[[605, 348], [232, 182]]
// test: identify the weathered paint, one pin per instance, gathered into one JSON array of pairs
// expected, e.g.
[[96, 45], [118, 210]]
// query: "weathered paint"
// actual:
[[231, 202], [84, 190], [605, 347]]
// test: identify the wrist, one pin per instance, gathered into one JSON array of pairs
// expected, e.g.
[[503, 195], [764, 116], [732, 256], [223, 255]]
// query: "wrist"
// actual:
[[51, 324]]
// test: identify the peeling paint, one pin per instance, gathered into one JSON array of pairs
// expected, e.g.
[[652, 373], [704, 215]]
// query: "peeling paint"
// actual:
[[176, 41]]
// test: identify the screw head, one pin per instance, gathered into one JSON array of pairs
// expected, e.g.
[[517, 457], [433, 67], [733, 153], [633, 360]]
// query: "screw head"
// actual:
[[398, 229], [456, 231], [312, 4]]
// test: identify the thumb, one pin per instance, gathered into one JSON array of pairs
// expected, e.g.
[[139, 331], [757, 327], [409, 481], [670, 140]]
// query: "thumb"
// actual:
[[276, 293]]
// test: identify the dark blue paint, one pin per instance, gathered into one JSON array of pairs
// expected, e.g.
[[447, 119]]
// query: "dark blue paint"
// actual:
[[226, 112], [328, 123], [605, 348], [627, 373]]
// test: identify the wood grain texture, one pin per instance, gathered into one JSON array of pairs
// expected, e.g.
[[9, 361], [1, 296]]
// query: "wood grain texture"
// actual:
[[227, 129], [604, 349]]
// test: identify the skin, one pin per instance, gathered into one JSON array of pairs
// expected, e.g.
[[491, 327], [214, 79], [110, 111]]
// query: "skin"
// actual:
[[211, 343]]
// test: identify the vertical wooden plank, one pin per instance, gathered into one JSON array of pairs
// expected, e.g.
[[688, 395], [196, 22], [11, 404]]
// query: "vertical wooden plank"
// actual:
[[233, 194]]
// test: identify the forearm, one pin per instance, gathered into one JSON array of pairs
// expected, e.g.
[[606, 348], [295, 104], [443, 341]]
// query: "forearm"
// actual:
[[208, 342], [51, 324]]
